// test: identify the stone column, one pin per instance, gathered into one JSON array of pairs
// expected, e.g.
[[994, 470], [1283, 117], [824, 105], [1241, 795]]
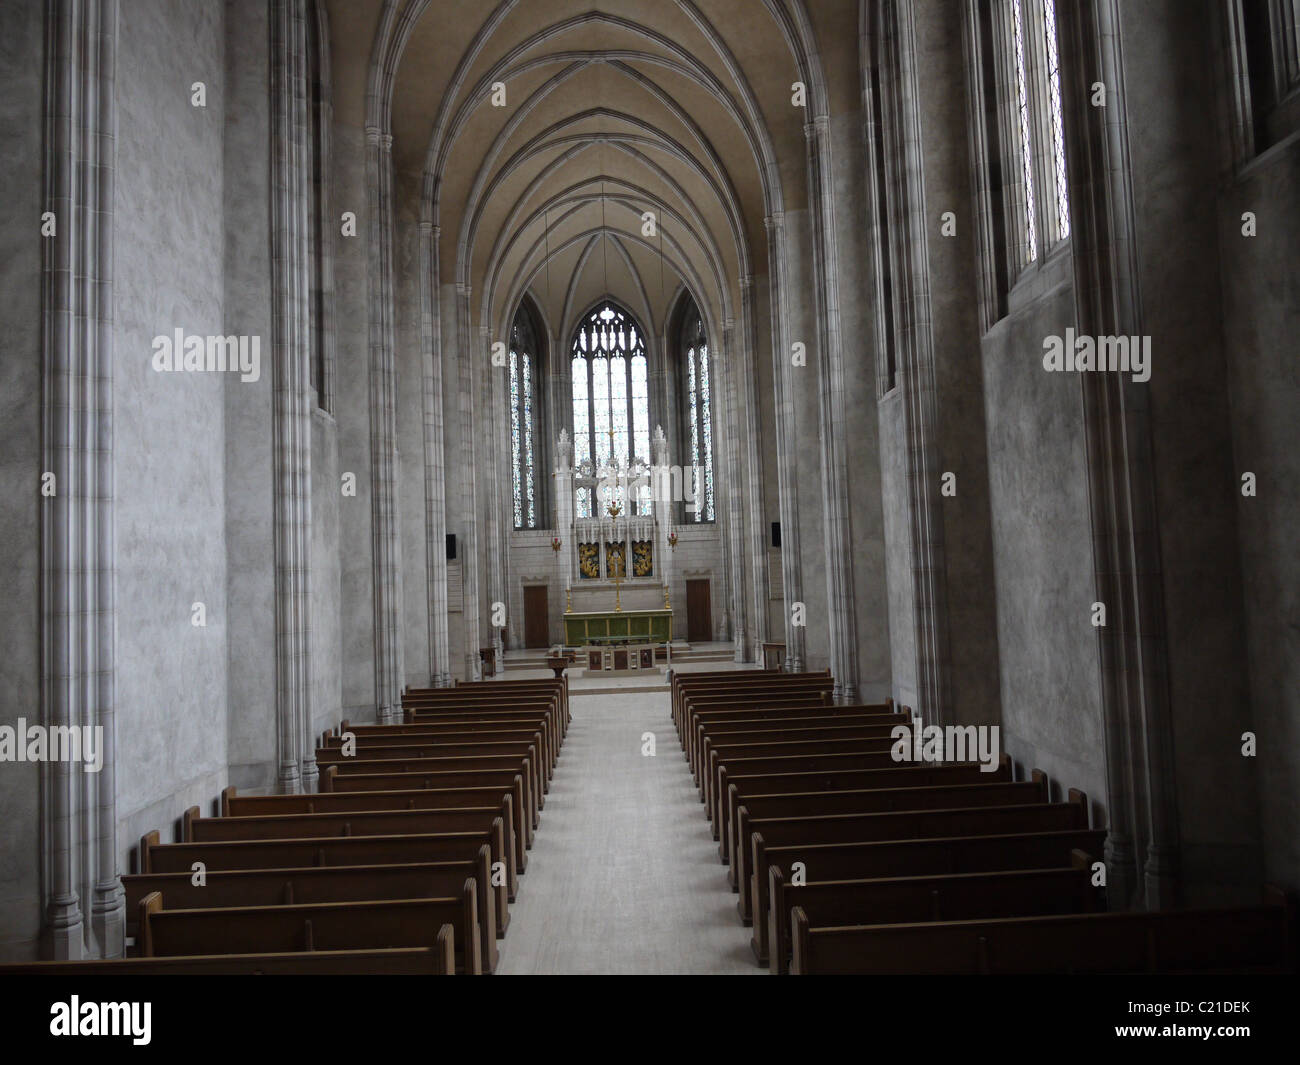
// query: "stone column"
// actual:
[[469, 501], [291, 409], [726, 373], [497, 526], [837, 526], [79, 826], [435, 466], [747, 388], [791, 567], [1133, 658]]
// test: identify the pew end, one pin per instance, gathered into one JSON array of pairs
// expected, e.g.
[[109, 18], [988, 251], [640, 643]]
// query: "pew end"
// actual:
[[1079, 798], [1037, 776], [188, 818], [775, 929], [227, 794], [799, 941], [149, 905], [445, 951], [148, 841]]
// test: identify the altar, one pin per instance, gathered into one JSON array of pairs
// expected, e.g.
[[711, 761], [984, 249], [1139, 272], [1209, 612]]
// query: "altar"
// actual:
[[614, 550], [618, 627]]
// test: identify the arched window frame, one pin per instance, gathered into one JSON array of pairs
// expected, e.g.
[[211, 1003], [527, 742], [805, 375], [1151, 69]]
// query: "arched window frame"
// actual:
[[1018, 138], [695, 388], [596, 399], [526, 360]]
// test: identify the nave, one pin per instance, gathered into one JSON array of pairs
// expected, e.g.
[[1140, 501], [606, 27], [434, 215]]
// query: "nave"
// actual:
[[846, 856]]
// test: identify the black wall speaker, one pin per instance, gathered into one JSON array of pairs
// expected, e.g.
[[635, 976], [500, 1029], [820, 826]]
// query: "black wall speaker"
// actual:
[[776, 534], [451, 546]]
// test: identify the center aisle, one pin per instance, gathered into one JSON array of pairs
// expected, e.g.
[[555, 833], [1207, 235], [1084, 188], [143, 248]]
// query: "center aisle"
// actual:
[[624, 876]]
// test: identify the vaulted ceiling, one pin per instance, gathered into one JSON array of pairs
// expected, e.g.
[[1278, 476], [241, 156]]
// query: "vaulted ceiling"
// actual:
[[677, 108]]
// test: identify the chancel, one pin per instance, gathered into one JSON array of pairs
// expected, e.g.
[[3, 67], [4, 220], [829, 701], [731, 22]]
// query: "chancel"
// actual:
[[648, 486]]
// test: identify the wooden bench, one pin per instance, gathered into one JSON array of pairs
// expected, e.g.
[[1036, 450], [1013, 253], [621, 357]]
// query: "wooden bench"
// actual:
[[737, 684], [949, 897], [874, 800], [786, 733], [436, 722], [547, 710], [422, 798], [854, 758], [432, 741], [714, 724], [789, 746], [1240, 940], [314, 926], [310, 884], [919, 775], [331, 780], [196, 829], [406, 759], [156, 857], [908, 824]]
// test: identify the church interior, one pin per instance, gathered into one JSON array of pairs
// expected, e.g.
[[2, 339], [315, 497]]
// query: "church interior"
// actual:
[[650, 486]]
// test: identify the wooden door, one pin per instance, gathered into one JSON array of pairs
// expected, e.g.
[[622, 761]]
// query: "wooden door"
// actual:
[[537, 617], [699, 612]]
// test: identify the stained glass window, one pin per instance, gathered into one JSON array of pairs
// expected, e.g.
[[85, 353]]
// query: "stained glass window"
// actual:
[[524, 431], [698, 417], [1058, 126], [611, 401], [1026, 152]]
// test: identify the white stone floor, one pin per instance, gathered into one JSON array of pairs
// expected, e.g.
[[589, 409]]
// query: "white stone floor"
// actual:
[[624, 875]]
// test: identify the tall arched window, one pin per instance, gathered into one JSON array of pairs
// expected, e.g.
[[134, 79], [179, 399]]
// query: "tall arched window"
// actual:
[[697, 416], [525, 433], [611, 404]]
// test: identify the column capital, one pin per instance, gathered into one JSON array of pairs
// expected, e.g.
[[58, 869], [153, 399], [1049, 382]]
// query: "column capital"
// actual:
[[746, 281], [376, 137], [775, 221]]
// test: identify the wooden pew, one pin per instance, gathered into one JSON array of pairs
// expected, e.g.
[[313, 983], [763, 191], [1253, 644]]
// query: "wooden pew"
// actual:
[[402, 760], [236, 805], [853, 760], [547, 711], [787, 733], [1239, 940], [875, 800], [309, 884], [731, 719], [414, 746], [908, 824], [156, 857], [332, 781], [723, 754], [314, 926], [196, 829], [919, 775], [494, 691], [739, 683], [504, 720], [438, 960], [950, 897]]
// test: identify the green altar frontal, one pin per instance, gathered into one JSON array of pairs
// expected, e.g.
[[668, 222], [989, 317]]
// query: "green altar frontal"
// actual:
[[618, 626]]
